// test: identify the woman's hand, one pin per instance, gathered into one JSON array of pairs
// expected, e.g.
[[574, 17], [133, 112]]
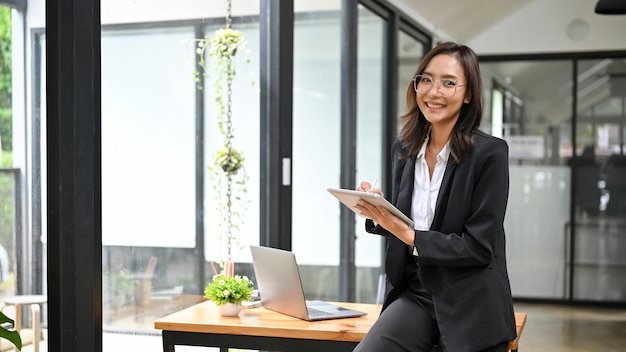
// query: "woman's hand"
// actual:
[[383, 217], [365, 186]]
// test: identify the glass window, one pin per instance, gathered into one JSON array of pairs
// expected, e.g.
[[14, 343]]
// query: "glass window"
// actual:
[[316, 146], [538, 138], [164, 233], [148, 173], [10, 191], [148, 139], [370, 127], [23, 233], [410, 53]]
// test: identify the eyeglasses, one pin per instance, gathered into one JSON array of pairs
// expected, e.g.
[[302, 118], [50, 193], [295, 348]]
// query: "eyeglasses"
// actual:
[[446, 87]]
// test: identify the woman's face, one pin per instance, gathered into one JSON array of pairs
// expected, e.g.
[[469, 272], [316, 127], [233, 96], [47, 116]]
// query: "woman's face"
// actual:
[[441, 90]]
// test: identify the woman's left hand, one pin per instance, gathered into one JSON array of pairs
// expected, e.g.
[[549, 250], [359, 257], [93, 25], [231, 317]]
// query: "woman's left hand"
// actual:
[[388, 221]]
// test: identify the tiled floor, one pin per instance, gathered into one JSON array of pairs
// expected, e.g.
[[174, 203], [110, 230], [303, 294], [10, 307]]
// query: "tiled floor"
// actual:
[[549, 328], [559, 328]]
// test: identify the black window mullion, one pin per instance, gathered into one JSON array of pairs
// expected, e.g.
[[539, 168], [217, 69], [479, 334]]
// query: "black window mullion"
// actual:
[[390, 108], [277, 21], [349, 30], [74, 175]]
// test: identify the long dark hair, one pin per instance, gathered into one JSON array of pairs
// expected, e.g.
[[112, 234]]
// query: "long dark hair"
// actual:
[[416, 127]]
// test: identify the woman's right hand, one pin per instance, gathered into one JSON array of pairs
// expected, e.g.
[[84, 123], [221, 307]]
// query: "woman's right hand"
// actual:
[[365, 186]]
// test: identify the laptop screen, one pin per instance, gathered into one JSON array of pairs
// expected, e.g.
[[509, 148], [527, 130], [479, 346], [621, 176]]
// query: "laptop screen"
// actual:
[[278, 281]]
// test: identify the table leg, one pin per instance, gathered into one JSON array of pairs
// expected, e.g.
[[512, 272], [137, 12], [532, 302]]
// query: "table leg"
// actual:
[[18, 320], [167, 345]]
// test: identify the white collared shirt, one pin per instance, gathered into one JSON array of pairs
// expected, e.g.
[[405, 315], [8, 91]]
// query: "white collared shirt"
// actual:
[[425, 189]]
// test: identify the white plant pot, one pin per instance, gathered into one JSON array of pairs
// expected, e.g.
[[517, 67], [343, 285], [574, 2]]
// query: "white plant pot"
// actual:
[[229, 309]]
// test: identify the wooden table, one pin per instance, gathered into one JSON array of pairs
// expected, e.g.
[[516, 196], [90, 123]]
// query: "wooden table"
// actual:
[[262, 329]]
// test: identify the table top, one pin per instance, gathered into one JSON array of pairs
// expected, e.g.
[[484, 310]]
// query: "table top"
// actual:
[[204, 318], [25, 299]]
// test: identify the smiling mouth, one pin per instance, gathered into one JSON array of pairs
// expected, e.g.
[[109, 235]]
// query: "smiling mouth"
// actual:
[[434, 105]]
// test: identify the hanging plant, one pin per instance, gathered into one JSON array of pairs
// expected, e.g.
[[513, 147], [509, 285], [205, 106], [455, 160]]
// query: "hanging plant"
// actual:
[[228, 176], [228, 179], [229, 162], [222, 47]]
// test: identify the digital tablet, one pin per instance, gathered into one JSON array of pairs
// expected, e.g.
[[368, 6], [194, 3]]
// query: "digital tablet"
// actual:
[[350, 198]]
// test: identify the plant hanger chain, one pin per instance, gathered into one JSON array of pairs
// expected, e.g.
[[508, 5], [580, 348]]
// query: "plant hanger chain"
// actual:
[[229, 137], [229, 20]]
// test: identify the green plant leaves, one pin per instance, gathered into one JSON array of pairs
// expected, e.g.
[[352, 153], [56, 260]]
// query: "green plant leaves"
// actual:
[[234, 289], [10, 335]]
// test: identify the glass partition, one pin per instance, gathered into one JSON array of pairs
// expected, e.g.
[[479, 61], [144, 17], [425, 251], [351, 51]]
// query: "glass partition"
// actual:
[[533, 115], [599, 168]]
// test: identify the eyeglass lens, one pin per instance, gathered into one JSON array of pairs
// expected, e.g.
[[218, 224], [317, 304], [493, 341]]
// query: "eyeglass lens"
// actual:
[[423, 84]]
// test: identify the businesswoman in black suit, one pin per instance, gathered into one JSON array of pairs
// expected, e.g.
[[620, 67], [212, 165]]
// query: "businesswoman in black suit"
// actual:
[[447, 282]]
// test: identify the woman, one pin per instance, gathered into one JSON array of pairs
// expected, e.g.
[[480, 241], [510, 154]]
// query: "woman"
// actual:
[[447, 282]]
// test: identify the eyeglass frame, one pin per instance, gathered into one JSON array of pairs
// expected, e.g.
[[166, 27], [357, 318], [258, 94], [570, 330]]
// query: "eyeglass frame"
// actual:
[[415, 84]]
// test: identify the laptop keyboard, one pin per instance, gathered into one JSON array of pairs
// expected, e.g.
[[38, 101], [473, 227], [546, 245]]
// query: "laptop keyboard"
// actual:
[[316, 313]]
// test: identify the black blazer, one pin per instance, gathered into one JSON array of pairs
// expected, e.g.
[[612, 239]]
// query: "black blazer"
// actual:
[[462, 257]]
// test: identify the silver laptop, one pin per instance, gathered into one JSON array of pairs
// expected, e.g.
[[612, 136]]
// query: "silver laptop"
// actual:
[[280, 287]]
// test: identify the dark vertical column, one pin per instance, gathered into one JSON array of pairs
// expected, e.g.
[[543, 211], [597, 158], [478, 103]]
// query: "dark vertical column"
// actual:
[[349, 28], [390, 107], [18, 233], [277, 22], [74, 177], [574, 177], [36, 258], [200, 167], [390, 94]]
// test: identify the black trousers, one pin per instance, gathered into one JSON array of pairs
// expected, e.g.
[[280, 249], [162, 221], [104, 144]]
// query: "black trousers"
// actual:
[[405, 326]]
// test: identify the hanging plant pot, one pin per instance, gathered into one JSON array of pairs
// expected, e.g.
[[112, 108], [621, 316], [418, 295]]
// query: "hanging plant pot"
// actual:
[[229, 309], [229, 160]]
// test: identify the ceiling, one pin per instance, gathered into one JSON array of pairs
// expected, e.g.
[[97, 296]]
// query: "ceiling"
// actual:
[[451, 16], [465, 20]]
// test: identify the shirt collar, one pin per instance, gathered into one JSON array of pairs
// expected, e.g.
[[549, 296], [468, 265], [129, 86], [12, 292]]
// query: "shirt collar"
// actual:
[[422, 151], [443, 155]]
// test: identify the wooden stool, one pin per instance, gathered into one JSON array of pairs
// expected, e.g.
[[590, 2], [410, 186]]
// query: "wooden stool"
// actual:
[[33, 301]]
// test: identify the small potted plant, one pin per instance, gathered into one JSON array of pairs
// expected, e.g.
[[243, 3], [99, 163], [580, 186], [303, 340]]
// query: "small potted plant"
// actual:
[[227, 292]]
